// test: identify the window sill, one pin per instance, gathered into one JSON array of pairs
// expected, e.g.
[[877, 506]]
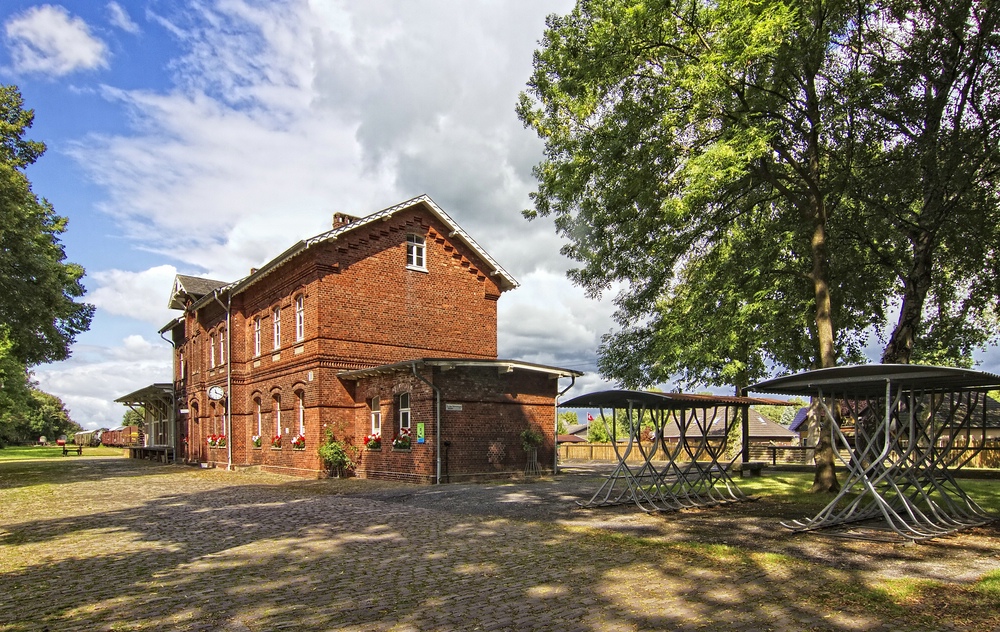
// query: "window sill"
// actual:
[[416, 269]]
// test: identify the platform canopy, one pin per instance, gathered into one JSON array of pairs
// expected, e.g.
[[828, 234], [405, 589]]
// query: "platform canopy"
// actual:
[[911, 427], [652, 400], [869, 380]]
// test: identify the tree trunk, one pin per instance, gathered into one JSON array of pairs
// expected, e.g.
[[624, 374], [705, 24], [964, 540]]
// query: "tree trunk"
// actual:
[[915, 287]]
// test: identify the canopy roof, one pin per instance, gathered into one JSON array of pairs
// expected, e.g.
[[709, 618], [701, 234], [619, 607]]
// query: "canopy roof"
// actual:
[[620, 398], [147, 394], [869, 380], [503, 366]]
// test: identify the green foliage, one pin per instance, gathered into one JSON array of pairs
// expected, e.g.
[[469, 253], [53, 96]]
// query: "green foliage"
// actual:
[[531, 439], [135, 417], [38, 290], [768, 180], [783, 415], [564, 420], [336, 454], [27, 413]]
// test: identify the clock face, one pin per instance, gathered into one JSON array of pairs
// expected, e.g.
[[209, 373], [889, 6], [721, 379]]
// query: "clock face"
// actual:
[[216, 393]]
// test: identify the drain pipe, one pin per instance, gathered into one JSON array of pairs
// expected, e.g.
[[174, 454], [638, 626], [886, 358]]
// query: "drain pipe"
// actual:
[[437, 418], [229, 376], [555, 434], [173, 402]]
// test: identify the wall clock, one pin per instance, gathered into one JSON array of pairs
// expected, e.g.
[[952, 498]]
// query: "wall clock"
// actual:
[[216, 393]]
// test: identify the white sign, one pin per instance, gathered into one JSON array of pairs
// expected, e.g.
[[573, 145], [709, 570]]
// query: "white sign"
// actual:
[[453, 407]]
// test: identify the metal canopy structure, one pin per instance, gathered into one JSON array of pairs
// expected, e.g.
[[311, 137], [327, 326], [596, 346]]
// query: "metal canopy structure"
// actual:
[[694, 472], [157, 400], [908, 428]]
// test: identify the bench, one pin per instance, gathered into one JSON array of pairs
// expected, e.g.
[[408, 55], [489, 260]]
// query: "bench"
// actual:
[[69, 448], [751, 469]]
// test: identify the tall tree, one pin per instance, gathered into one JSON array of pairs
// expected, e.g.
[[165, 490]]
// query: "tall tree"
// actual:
[[680, 131], [38, 289], [927, 180]]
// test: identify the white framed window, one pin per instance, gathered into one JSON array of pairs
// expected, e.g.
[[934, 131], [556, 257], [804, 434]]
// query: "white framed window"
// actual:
[[256, 336], [302, 412], [300, 318], [222, 346], [183, 367], [256, 402], [277, 415], [404, 411], [415, 252], [376, 412], [211, 351], [276, 316]]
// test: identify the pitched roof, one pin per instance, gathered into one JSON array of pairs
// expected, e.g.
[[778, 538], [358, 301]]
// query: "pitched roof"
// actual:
[[800, 418], [503, 279], [759, 425], [191, 287]]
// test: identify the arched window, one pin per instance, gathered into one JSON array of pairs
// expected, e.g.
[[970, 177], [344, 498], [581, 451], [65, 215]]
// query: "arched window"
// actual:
[[300, 318], [257, 417], [276, 316], [376, 416], [256, 336], [277, 415], [301, 396]]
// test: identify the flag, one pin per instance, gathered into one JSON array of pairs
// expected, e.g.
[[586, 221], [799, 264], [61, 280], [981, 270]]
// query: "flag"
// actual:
[[590, 417]]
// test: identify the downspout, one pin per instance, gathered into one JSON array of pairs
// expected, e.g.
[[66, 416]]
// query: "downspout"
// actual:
[[229, 376], [437, 418], [555, 433], [173, 403]]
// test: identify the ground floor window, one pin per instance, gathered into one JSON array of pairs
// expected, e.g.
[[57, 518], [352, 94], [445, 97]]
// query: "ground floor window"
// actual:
[[376, 416]]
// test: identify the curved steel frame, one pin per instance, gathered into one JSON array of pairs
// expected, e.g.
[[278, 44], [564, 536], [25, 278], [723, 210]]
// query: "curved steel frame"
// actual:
[[693, 473], [906, 447]]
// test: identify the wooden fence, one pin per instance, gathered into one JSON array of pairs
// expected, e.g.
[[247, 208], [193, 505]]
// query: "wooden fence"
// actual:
[[980, 456]]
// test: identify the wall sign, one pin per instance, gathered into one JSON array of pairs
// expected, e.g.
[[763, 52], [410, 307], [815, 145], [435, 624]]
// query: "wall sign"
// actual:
[[420, 432], [453, 407]]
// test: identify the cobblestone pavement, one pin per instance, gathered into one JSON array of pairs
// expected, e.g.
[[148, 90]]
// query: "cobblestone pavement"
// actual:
[[114, 544]]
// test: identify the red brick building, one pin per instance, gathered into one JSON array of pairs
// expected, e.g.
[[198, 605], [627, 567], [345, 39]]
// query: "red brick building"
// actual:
[[385, 324]]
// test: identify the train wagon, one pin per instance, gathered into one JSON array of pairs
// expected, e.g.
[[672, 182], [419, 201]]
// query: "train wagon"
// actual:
[[123, 437]]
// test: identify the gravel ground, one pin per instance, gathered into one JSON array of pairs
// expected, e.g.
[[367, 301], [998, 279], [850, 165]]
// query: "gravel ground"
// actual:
[[112, 544]]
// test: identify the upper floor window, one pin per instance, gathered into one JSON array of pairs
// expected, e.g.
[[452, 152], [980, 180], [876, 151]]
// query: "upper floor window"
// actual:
[[183, 367], [300, 318], [222, 346], [256, 336], [403, 405], [211, 351], [415, 252], [276, 314]]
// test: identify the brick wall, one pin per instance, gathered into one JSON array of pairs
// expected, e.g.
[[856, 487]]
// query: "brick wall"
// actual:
[[362, 308]]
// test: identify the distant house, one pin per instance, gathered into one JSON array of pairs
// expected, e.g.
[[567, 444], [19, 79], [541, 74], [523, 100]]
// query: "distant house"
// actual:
[[762, 429], [576, 433], [382, 328]]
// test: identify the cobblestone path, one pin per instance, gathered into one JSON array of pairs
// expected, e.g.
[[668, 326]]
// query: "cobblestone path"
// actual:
[[114, 544]]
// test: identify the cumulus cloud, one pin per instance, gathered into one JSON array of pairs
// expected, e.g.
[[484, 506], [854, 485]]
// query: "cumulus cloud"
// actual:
[[90, 381], [120, 18], [48, 40], [140, 295]]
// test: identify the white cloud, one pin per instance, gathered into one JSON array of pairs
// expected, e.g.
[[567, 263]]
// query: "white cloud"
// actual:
[[47, 40], [120, 18], [140, 295], [90, 381]]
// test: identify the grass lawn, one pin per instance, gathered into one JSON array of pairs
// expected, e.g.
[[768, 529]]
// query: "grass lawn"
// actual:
[[30, 452]]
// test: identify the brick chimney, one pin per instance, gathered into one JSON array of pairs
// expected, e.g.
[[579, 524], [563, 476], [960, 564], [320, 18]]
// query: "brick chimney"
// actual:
[[342, 219]]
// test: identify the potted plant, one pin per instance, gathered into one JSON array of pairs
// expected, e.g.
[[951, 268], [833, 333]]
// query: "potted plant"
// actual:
[[336, 455], [256, 440], [299, 443], [374, 441], [213, 441], [531, 439], [220, 441], [276, 442], [403, 440]]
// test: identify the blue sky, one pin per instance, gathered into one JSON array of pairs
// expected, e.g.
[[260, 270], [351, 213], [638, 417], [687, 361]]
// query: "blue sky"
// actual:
[[205, 137]]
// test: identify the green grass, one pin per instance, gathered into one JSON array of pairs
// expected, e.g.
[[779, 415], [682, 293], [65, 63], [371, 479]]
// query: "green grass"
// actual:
[[27, 453]]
